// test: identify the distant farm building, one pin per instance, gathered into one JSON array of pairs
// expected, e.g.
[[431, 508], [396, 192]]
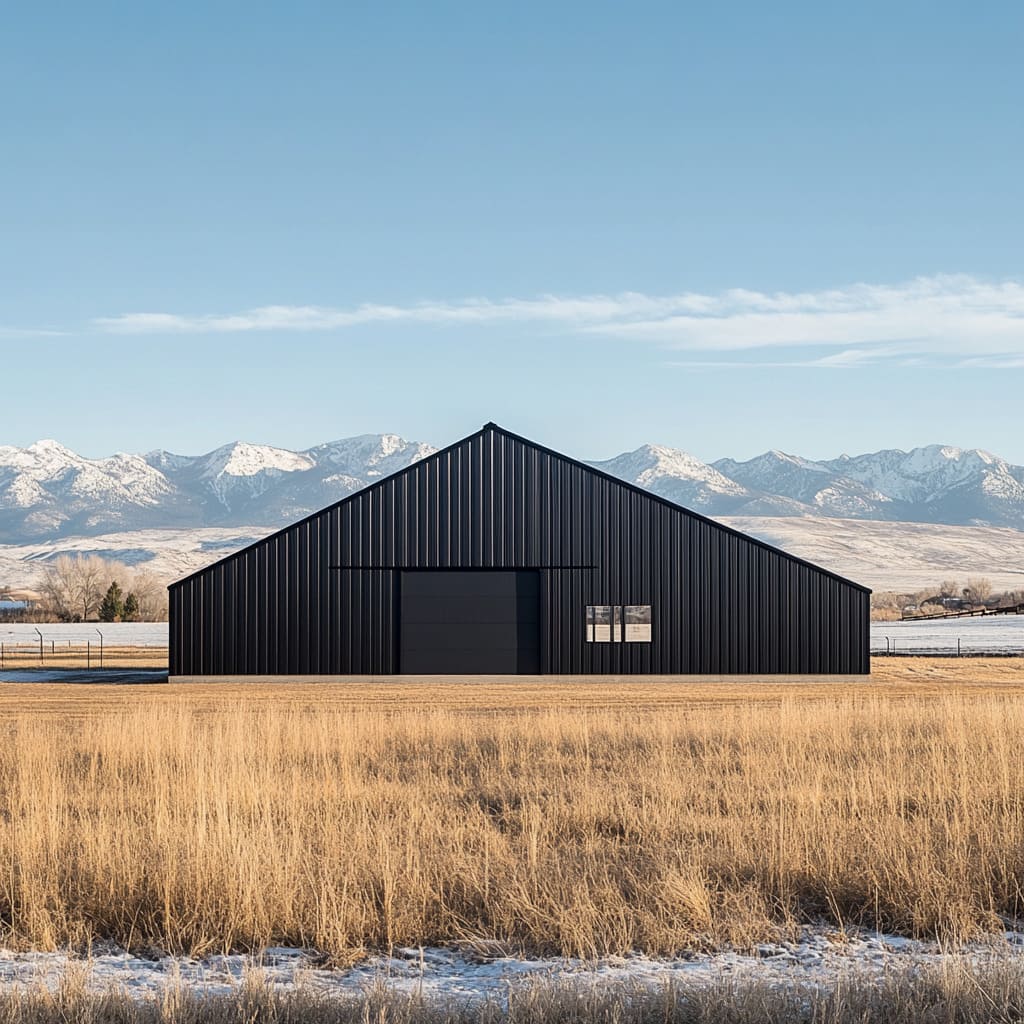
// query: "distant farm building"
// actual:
[[17, 603], [497, 555]]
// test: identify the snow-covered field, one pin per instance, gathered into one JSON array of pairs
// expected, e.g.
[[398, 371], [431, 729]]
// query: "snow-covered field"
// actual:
[[897, 556], [115, 634], [882, 555], [169, 554], [1003, 634], [819, 955]]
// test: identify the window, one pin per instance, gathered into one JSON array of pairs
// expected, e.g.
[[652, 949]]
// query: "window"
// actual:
[[599, 623], [605, 623], [638, 623]]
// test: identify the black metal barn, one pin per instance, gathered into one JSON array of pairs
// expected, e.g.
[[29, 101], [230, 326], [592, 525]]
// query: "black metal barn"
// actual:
[[497, 555]]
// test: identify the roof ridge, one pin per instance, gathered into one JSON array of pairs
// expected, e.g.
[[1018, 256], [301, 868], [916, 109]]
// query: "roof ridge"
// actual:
[[496, 428]]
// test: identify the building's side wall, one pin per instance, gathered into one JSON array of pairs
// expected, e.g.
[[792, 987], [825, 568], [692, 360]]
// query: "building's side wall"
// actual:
[[721, 604]]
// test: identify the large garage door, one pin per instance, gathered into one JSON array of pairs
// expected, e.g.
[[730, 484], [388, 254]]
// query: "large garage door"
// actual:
[[478, 623]]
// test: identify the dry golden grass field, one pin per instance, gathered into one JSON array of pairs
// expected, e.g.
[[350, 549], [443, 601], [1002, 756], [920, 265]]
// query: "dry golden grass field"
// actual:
[[578, 817]]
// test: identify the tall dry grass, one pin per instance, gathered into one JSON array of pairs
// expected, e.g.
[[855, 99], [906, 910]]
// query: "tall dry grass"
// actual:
[[187, 824]]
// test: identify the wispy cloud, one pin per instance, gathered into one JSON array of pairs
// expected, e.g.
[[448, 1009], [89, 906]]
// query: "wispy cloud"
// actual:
[[955, 318], [1007, 362], [590, 310]]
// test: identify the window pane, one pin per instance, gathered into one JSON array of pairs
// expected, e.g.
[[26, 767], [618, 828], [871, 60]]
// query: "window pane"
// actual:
[[638, 623], [599, 623], [617, 624]]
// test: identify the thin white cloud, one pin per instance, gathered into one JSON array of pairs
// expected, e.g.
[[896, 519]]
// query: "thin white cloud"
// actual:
[[956, 317], [590, 310], [842, 360], [1009, 362], [943, 314]]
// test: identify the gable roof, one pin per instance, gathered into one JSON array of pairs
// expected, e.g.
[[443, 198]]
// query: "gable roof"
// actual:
[[495, 428]]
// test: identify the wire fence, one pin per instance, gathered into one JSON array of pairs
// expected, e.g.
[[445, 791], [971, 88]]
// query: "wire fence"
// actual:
[[88, 654], [942, 647], [991, 636], [943, 650], [81, 648]]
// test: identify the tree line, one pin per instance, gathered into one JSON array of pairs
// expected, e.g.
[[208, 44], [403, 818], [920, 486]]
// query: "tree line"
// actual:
[[89, 588], [948, 595]]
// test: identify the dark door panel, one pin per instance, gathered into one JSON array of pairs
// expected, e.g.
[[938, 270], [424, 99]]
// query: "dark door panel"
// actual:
[[460, 609], [456, 661], [472, 623], [472, 636]]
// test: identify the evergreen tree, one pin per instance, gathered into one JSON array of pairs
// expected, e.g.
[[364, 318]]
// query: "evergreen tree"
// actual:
[[112, 606], [131, 608]]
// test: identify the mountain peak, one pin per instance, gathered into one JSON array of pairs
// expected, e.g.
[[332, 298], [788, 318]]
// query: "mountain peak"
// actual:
[[47, 444], [674, 474], [241, 458], [47, 490]]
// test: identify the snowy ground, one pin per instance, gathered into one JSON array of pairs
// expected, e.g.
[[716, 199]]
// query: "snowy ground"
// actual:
[[897, 556], [169, 554], [1003, 634], [820, 955], [115, 634], [885, 556]]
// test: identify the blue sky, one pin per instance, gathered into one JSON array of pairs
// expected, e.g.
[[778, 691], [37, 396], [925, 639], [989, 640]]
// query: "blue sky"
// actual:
[[721, 227]]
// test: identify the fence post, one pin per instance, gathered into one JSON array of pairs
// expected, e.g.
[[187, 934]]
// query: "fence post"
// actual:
[[40, 645], [88, 654], [958, 647]]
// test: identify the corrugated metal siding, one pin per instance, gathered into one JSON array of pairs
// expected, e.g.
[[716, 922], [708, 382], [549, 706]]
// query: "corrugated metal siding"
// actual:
[[722, 602]]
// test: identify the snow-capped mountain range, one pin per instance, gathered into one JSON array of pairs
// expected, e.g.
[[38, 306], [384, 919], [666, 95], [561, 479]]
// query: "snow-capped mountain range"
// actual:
[[48, 491], [933, 484]]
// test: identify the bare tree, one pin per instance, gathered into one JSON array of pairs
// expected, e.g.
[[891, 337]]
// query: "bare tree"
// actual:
[[94, 575], [74, 585], [949, 588], [978, 590], [58, 588], [151, 593]]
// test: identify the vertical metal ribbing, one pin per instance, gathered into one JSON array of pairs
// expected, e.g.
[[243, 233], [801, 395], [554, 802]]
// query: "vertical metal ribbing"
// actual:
[[721, 602]]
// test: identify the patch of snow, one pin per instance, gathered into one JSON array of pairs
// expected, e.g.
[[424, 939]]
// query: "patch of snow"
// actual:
[[817, 955]]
